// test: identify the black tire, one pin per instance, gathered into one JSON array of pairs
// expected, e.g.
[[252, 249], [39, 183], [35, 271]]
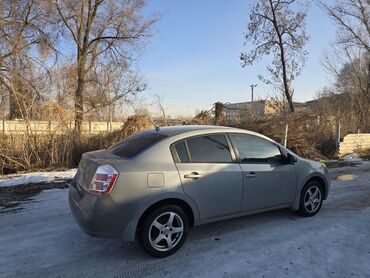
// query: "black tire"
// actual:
[[150, 232], [308, 205]]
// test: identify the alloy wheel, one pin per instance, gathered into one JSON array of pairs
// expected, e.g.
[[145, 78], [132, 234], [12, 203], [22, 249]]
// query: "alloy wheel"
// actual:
[[312, 199], [166, 231]]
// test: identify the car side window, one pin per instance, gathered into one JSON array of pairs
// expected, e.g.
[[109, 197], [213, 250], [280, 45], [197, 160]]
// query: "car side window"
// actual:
[[209, 149], [182, 153], [253, 149]]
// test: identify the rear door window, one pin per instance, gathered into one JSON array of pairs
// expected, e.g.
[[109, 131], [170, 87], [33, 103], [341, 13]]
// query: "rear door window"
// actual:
[[209, 149], [135, 144]]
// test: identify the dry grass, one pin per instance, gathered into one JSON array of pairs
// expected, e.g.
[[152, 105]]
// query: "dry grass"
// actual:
[[135, 124], [30, 152], [51, 151]]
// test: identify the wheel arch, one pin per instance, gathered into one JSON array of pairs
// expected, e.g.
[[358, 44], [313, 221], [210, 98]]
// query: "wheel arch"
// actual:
[[319, 180], [313, 177], [169, 201]]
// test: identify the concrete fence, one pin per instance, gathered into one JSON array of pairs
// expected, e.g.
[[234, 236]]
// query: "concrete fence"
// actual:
[[351, 142], [44, 127]]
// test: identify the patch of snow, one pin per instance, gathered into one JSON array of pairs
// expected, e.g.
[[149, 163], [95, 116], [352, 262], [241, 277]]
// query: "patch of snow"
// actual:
[[37, 177], [352, 158], [364, 166]]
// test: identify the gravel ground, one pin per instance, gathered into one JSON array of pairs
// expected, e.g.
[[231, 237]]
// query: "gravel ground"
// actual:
[[39, 238]]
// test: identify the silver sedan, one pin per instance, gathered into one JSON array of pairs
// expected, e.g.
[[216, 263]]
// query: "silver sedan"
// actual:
[[156, 184]]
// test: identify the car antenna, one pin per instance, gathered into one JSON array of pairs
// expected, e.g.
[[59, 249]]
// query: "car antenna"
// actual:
[[156, 127]]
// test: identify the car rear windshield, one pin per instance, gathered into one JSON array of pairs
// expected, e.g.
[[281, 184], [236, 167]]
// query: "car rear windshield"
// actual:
[[135, 144]]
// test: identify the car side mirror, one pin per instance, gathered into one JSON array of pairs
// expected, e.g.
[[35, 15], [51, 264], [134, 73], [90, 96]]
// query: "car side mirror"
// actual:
[[290, 159], [287, 157]]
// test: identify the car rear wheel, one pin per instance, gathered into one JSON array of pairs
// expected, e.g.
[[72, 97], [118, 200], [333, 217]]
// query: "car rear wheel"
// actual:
[[164, 231], [311, 199]]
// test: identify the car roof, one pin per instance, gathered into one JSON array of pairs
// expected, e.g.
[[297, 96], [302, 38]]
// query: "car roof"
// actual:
[[194, 130], [177, 130], [176, 133]]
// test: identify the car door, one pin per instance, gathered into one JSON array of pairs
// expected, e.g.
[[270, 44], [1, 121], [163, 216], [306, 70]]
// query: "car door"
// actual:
[[268, 180], [209, 175]]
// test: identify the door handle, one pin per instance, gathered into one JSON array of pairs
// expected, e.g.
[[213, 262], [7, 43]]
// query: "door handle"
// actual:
[[193, 175], [251, 175]]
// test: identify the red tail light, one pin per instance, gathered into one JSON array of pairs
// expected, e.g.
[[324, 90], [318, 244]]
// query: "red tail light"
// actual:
[[103, 181]]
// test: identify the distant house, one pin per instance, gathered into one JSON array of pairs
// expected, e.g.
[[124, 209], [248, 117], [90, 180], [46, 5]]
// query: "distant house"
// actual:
[[236, 112], [333, 100]]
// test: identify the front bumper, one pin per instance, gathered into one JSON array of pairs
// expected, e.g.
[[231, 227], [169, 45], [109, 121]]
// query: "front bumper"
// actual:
[[328, 181], [97, 216]]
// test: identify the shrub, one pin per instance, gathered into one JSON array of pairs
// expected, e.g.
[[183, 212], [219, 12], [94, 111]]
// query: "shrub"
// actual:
[[364, 153]]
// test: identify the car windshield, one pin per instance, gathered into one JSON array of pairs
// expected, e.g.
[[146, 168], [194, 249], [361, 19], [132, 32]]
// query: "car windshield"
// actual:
[[135, 144]]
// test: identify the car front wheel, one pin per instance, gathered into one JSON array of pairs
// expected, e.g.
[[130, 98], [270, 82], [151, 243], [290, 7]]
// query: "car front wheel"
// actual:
[[164, 231], [311, 199]]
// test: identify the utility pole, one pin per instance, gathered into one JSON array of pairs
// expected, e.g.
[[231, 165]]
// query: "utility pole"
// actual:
[[219, 107], [252, 88]]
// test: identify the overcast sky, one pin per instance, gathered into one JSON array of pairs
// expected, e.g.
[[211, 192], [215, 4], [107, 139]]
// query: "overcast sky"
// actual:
[[193, 59]]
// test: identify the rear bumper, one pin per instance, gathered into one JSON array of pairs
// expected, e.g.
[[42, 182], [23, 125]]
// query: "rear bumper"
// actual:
[[97, 216]]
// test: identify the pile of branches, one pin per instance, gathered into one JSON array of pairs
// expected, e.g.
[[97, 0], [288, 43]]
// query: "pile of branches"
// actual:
[[308, 136]]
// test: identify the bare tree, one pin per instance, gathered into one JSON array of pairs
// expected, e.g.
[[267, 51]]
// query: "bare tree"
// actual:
[[162, 109], [349, 61], [351, 80], [108, 85], [104, 32], [352, 18], [277, 28], [26, 40]]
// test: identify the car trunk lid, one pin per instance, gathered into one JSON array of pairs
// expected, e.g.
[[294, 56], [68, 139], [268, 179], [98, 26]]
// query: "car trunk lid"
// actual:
[[90, 162]]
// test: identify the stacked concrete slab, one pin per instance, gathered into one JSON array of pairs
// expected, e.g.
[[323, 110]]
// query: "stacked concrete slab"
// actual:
[[352, 142]]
